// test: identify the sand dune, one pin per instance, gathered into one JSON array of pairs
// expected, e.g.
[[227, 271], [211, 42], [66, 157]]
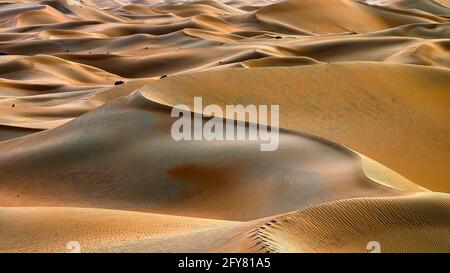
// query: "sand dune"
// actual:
[[406, 229], [359, 17], [86, 152], [439, 8], [53, 109], [418, 223], [412, 110], [100, 161]]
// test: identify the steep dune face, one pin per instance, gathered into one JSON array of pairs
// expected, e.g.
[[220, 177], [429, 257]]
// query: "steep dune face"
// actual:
[[86, 151]]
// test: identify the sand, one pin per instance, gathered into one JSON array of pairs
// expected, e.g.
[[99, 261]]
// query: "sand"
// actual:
[[87, 155]]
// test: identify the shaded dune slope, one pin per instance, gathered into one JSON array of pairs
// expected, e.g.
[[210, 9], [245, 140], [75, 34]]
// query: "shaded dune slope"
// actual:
[[85, 163]]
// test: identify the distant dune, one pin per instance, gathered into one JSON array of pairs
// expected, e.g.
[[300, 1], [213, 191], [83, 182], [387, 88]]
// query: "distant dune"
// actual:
[[86, 151]]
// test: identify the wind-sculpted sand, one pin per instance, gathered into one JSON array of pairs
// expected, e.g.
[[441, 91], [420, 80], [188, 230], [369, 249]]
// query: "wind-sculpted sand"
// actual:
[[87, 155]]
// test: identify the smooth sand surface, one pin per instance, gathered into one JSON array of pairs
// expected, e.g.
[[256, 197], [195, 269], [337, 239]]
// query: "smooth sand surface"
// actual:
[[87, 156]]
